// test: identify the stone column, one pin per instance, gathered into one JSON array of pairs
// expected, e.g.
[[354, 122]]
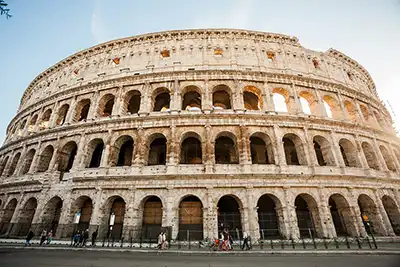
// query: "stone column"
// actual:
[[21, 162], [132, 223], [80, 156], [253, 227], [361, 155], [16, 215], [54, 113], [237, 97], [206, 103], [268, 100], [175, 104], [388, 229], [313, 161], [342, 107], [328, 227], [289, 209], [71, 111], [53, 162], [95, 219], [358, 220], [211, 217], [279, 154], [359, 112], [25, 130], [209, 157], [337, 155], [118, 102], [244, 147], [296, 105], [35, 160], [170, 214], [145, 100], [139, 147], [94, 104], [172, 150], [106, 153], [379, 157], [40, 114], [320, 104]]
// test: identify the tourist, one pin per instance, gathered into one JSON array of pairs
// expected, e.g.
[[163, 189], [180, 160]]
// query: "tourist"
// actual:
[[29, 238], [164, 241], [159, 240], [245, 241], [43, 237], [94, 236], [76, 238], [49, 237], [81, 238]]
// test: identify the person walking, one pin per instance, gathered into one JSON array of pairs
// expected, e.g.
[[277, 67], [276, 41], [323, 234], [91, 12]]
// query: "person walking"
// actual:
[[159, 240], [164, 241], [49, 237], [94, 236], [76, 238], [28, 239], [85, 237], [43, 237], [81, 238], [245, 241]]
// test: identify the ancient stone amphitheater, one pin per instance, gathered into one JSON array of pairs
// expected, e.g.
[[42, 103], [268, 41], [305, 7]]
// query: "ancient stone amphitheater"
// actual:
[[195, 131]]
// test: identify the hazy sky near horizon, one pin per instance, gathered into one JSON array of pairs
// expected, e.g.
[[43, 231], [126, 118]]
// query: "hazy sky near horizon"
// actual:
[[43, 32]]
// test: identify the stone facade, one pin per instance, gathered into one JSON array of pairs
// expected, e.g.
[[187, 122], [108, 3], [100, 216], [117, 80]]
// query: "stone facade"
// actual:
[[184, 130]]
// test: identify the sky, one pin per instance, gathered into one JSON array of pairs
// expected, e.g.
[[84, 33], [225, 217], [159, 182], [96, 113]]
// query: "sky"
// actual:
[[43, 32]]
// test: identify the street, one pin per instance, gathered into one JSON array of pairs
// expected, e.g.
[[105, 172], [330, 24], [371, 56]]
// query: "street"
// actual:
[[70, 258]]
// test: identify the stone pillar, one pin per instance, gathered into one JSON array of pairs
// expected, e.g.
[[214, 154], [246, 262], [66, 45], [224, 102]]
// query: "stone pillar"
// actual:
[[388, 229], [80, 156], [95, 219], [394, 157], [208, 154], [71, 111], [328, 227], [145, 100], [211, 216], [244, 147], [40, 114], [132, 221], [237, 97], [268, 100], [172, 150], [106, 154], [21, 162], [175, 103], [296, 105], [94, 104], [206, 103], [25, 130], [358, 220], [54, 113], [320, 104], [53, 162], [171, 214], [118, 102], [379, 157], [253, 227], [337, 154], [359, 112], [342, 107], [36, 158], [139, 147], [289, 209], [361, 155], [279, 154], [309, 145]]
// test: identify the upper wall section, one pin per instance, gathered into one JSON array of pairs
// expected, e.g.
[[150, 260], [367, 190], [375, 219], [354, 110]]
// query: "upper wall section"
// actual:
[[202, 49]]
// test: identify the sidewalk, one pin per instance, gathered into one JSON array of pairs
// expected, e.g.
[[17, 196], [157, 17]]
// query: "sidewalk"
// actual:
[[383, 248]]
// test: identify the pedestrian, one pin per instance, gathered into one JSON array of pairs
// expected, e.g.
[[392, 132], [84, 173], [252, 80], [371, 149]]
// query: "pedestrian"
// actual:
[[49, 237], [85, 237], [94, 236], [28, 239], [76, 238], [43, 237], [164, 241], [245, 241], [81, 238], [159, 240]]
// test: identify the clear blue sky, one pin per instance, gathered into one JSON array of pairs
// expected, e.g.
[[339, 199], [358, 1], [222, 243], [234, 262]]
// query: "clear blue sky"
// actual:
[[43, 32]]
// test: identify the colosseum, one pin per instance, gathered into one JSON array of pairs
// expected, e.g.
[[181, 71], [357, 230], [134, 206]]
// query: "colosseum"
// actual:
[[196, 131]]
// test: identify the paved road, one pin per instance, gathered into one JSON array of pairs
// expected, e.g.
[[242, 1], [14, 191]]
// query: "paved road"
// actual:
[[54, 258]]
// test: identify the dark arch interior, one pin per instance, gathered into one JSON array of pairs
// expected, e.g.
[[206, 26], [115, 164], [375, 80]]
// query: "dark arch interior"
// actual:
[[267, 218], [125, 153], [162, 102], [67, 157], [225, 151], [158, 151], [229, 217], [290, 152], [259, 152], [191, 99], [251, 101], [117, 210], [304, 218], [319, 154], [134, 102], [152, 217], [191, 151], [337, 217], [221, 99], [190, 219], [96, 155], [8, 213]]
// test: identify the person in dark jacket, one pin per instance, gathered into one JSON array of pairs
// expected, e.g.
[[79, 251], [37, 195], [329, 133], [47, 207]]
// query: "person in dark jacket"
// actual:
[[94, 237], [28, 239], [85, 237]]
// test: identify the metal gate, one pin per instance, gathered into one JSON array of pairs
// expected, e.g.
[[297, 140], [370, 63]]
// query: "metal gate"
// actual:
[[269, 225]]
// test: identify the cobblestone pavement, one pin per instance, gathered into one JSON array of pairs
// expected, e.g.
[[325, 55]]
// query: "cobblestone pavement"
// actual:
[[70, 258]]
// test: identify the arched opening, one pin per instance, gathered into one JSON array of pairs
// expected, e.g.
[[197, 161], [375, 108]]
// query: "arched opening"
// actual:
[[161, 100], [351, 110], [191, 99], [28, 161], [349, 153], [62, 114], [294, 150], [281, 99], [261, 149], [323, 151], [222, 97], [393, 213], [81, 213], [226, 151], [3, 165], [95, 152], [229, 217], [45, 158], [158, 151], [369, 209], [332, 107], [25, 217], [14, 164], [365, 112], [370, 156], [308, 103], [152, 217], [379, 119], [32, 123], [190, 219], [67, 156], [191, 151], [51, 214], [82, 110], [122, 154], [268, 219], [8, 213], [44, 122], [388, 158], [307, 216], [342, 216], [22, 127], [106, 105], [115, 218], [132, 102], [252, 98]]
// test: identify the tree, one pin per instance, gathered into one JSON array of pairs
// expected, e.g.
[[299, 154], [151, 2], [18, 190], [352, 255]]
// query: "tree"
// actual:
[[4, 10]]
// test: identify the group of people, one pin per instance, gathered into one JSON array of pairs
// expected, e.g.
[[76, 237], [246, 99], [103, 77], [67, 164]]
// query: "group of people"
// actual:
[[225, 242], [162, 242], [80, 238], [45, 237]]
